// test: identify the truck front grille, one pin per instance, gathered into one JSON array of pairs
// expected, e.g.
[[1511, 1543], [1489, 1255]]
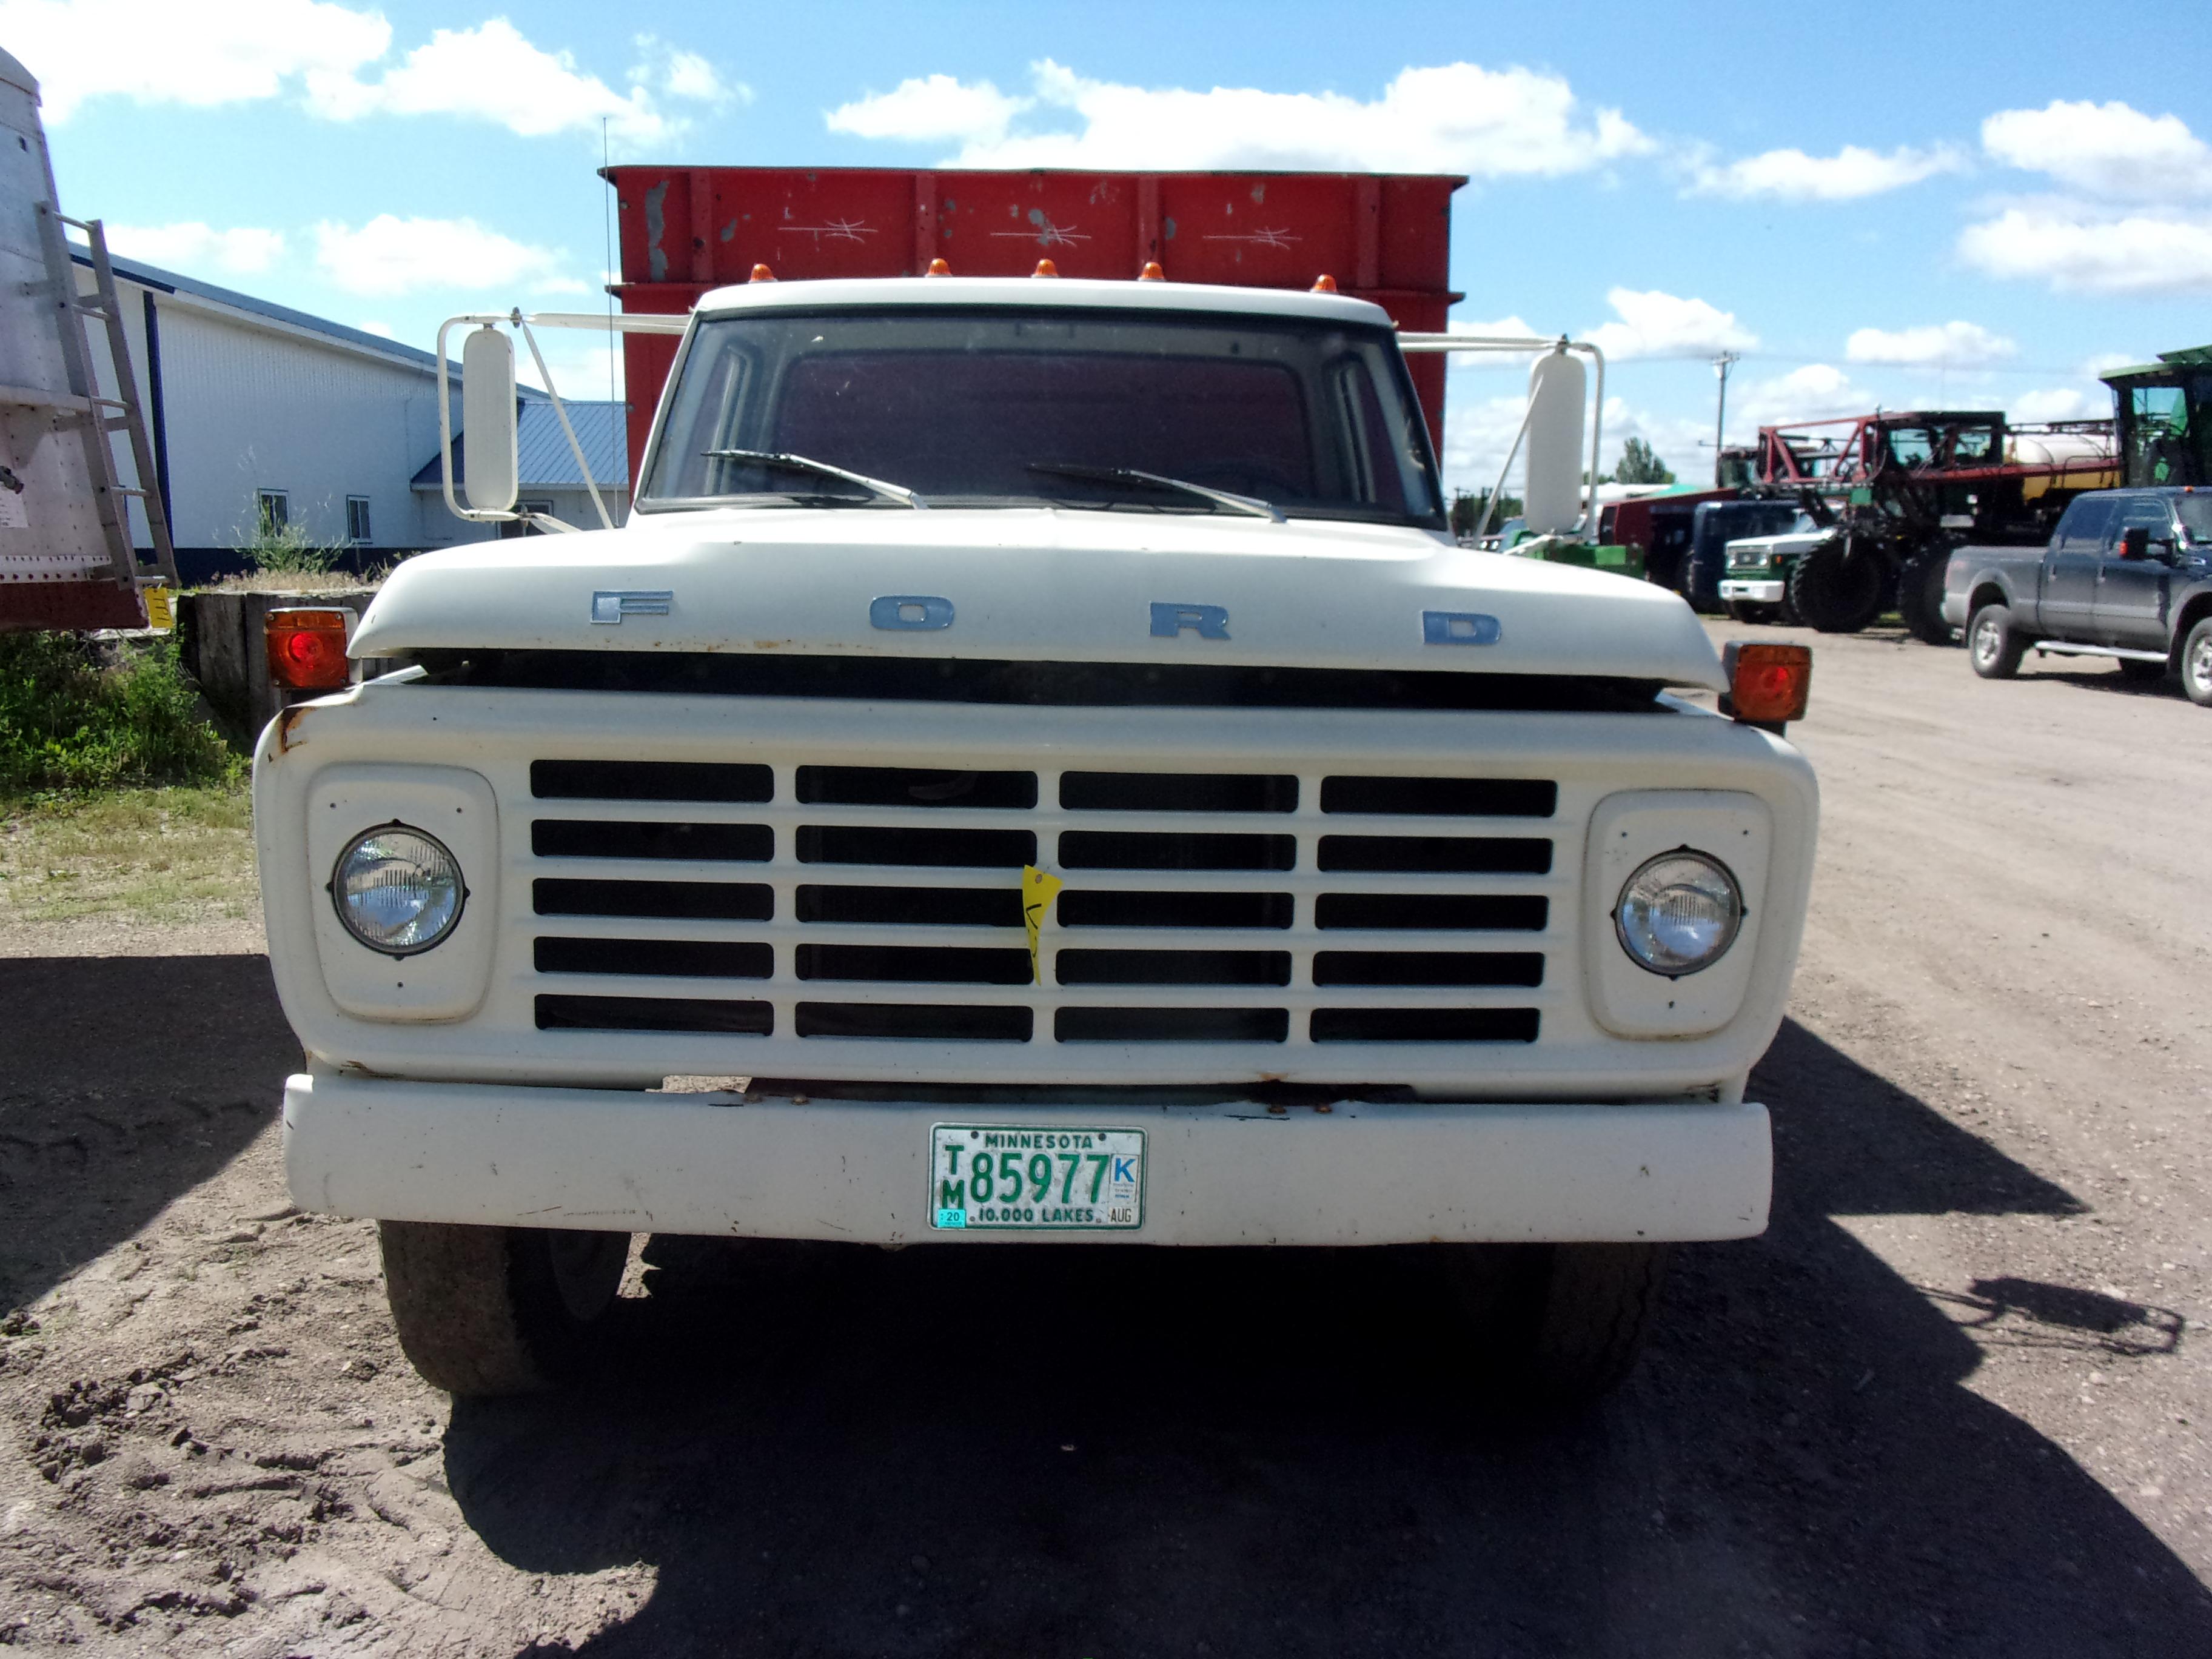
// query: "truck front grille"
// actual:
[[838, 903]]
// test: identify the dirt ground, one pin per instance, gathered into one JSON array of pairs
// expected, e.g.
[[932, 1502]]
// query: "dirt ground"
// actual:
[[1954, 1402]]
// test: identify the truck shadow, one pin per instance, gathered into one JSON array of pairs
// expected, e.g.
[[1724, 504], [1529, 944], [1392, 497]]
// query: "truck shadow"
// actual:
[[1047, 1450], [128, 1081]]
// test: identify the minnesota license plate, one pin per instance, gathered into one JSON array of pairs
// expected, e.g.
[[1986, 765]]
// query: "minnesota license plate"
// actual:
[[989, 1177]]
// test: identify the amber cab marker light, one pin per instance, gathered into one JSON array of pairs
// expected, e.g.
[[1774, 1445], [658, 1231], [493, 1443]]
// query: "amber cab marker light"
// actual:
[[1768, 682], [1151, 272], [940, 267], [1046, 268], [1324, 283], [761, 273], [308, 648]]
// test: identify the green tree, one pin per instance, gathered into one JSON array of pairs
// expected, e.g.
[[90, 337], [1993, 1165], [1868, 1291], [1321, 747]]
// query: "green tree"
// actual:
[[1638, 465]]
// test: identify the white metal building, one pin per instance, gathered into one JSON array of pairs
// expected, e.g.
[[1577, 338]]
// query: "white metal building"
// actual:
[[551, 482], [255, 407]]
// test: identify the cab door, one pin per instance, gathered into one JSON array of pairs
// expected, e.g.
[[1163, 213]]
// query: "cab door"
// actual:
[[2134, 595], [2066, 607]]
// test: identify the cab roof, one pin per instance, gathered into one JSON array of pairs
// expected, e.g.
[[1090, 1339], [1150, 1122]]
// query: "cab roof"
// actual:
[[1060, 292]]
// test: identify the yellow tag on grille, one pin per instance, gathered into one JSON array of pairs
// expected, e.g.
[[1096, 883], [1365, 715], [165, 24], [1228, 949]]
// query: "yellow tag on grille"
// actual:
[[1038, 891]]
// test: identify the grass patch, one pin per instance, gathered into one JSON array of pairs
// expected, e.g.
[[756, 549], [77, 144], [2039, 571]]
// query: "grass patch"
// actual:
[[180, 854], [76, 716]]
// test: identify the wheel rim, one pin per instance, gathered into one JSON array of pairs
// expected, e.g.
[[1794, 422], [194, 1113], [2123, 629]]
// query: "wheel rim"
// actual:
[[2200, 664], [1985, 642]]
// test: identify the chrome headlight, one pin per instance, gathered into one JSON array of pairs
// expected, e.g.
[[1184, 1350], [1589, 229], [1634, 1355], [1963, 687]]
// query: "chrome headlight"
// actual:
[[397, 890], [1678, 913]]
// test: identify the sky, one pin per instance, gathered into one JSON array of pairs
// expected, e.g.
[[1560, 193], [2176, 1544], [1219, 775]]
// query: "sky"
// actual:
[[1883, 206]]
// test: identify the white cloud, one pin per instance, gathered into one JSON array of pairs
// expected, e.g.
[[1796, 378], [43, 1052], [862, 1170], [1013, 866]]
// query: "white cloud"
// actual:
[[2059, 404], [1656, 324], [1452, 118], [191, 246], [1949, 345], [2097, 364], [931, 109], [381, 328], [157, 51], [1814, 391], [2078, 250], [2108, 150], [1791, 175], [392, 256], [492, 73]]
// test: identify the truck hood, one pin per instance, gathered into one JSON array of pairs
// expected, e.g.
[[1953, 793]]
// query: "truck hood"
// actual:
[[1037, 585]]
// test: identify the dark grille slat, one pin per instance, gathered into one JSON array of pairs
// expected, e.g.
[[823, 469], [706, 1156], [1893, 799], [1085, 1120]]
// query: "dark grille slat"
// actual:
[[913, 907], [674, 958], [1438, 854], [979, 850], [1438, 912], [567, 1013], [1117, 849], [1422, 1025], [915, 963], [719, 901], [1172, 1025], [1177, 792], [1173, 967], [915, 1022], [578, 780], [1078, 907], [895, 785], [1461, 798], [636, 838], [1429, 967]]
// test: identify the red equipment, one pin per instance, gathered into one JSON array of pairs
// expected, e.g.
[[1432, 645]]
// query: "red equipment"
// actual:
[[1382, 237]]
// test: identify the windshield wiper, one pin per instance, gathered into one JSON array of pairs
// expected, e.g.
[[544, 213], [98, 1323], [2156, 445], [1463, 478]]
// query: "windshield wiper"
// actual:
[[781, 463], [1130, 475]]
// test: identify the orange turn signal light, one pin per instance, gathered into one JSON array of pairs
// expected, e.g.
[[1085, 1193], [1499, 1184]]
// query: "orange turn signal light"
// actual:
[[1151, 272], [1768, 680], [1324, 283], [308, 648], [1046, 268], [761, 273], [938, 268]]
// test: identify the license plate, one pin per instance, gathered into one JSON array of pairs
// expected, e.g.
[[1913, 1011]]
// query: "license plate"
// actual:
[[989, 1177]]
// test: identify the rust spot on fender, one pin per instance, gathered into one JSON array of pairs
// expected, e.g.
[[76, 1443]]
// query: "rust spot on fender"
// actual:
[[287, 725]]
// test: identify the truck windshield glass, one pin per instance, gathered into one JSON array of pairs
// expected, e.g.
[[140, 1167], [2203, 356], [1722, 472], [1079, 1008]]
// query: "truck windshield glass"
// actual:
[[965, 407]]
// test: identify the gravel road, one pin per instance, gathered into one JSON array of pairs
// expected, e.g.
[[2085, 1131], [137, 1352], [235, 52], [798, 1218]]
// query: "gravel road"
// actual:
[[1955, 1402]]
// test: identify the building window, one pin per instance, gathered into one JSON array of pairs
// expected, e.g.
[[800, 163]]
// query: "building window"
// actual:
[[275, 509], [357, 531]]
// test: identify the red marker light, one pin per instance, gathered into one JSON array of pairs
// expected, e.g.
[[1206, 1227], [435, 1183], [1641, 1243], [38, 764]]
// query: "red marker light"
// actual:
[[938, 268], [1151, 272], [1768, 682], [1046, 268], [1324, 283], [761, 273], [308, 648]]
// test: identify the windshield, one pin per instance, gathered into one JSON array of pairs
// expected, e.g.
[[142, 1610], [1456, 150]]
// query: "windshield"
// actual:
[[2196, 516], [969, 407]]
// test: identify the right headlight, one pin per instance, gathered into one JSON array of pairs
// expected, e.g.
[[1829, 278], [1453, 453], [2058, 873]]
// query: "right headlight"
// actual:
[[1678, 913], [397, 890]]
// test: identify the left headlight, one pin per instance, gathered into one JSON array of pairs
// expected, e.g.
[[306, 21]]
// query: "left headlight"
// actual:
[[1678, 913], [397, 890]]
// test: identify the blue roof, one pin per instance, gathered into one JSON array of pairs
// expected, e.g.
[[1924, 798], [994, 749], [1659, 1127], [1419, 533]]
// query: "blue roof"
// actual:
[[169, 282], [543, 457]]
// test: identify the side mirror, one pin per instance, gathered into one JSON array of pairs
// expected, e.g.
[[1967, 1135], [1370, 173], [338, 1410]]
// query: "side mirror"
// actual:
[[1558, 389], [491, 470]]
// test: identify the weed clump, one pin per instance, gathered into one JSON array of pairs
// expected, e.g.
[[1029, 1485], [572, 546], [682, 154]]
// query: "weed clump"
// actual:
[[72, 720]]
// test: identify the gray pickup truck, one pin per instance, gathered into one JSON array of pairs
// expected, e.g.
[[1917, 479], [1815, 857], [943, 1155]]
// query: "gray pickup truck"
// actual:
[[2128, 574]]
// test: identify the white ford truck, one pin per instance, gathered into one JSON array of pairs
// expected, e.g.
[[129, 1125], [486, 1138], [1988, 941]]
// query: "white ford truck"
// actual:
[[1034, 767]]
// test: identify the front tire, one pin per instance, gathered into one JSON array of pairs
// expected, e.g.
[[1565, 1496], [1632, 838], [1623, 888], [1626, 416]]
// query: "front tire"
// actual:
[[1993, 645], [2197, 663], [1565, 1322], [1839, 588], [498, 1310]]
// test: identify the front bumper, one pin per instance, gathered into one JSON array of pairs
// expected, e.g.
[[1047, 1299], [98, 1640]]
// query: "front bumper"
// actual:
[[1744, 591], [633, 1161]]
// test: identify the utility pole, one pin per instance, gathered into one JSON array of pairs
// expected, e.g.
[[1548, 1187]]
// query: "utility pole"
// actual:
[[1721, 365]]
